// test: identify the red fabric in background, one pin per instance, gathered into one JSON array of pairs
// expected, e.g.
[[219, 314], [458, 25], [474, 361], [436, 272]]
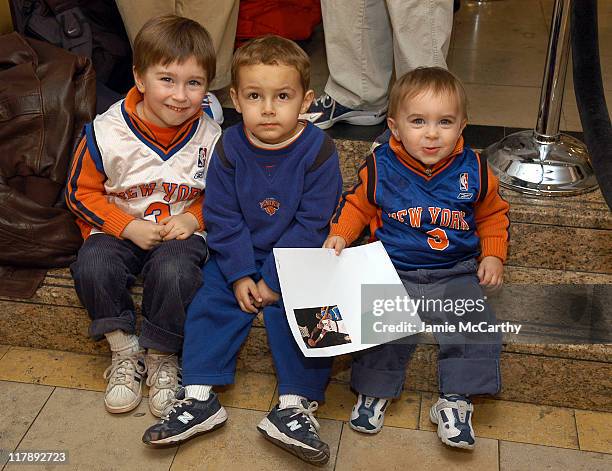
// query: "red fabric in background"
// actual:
[[293, 19]]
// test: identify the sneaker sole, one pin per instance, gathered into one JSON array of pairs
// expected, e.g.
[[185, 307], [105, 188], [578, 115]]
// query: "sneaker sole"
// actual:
[[364, 430], [308, 454], [120, 410], [156, 412], [354, 120], [446, 441], [214, 422]]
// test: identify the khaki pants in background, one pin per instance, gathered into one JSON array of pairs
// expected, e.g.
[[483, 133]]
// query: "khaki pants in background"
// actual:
[[365, 39], [219, 17]]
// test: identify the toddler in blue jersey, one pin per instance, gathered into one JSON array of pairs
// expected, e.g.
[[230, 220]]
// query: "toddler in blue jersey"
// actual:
[[273, 181], [435, 206]]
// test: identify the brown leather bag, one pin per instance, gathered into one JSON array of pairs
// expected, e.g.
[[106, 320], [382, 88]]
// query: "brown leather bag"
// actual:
[[46, 96]]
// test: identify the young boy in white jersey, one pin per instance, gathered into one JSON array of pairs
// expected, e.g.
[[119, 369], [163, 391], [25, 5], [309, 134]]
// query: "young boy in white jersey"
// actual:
[[136, 186]]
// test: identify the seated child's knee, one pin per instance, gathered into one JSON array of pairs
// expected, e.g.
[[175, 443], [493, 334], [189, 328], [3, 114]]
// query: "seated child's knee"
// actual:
[[171, 272]]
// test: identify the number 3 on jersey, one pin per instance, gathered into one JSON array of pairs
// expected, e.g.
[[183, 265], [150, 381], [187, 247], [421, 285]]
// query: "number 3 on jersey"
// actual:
[[159, 211], [438, 239]]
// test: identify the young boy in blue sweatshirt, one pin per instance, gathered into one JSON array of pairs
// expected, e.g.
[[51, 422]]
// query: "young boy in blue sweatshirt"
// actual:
[[273, 181]]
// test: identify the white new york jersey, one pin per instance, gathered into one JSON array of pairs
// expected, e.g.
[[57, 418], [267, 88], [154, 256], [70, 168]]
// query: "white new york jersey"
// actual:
[[145, 179]]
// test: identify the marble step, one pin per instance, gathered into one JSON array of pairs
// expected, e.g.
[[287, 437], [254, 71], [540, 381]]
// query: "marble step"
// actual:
[[559, 241], [554, 374]]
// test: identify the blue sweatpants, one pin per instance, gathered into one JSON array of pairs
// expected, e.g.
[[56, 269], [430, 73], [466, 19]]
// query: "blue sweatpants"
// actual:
[[216, 328], [467, 363]]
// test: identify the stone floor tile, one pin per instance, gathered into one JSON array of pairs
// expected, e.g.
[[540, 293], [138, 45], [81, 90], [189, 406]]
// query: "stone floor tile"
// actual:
[[491, 67], [401, 449], [507, 11], [238, 445], [339, 401], [3, 350], [76, 421], [274, 399], [404, 412], [54, 368], [594, 430], [514, 106], [20, 404], [570, 109], [250, 391], [483, 32], [524, 457], [516, 421]]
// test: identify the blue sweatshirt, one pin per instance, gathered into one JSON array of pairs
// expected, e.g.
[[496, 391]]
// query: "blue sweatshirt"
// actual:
[[257, 199]]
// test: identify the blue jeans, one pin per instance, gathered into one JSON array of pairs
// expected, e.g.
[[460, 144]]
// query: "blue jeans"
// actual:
[[107, 267], [467, 363]]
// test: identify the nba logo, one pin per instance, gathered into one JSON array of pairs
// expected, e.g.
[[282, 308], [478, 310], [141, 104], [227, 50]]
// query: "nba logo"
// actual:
[[463, 182], [201, 157]]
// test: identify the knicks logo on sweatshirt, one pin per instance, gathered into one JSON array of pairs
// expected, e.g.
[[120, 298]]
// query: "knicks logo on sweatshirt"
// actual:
[[270, 206]]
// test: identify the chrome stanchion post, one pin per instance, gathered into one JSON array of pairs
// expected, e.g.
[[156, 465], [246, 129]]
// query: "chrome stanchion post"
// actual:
[[543, 161]]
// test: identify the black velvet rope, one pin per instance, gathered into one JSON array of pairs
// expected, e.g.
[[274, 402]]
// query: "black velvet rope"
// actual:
[[589, 90]]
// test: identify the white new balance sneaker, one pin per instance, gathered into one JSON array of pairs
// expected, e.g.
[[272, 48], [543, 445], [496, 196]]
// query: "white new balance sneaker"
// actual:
[[184, 418], [296, 430]]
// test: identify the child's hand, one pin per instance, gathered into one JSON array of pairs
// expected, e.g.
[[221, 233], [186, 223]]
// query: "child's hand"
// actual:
[[179, 227], [335, 242], [247, 295], [268, 295], [491, 272], [145, 234]]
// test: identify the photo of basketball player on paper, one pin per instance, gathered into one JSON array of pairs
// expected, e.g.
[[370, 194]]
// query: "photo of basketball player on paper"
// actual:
[[322, 326]]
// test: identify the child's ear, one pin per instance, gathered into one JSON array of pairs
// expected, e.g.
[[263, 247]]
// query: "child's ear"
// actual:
[[307, 101], [463, 124], [234, 97], [138, 80], [393, 127]]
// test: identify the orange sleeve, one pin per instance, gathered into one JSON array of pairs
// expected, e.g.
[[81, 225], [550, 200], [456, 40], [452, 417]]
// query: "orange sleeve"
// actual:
[[195, 208], [492, 221], [86, 196], [355, 211]]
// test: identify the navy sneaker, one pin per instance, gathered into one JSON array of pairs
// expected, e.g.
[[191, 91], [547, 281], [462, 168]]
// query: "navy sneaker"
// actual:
[[185, 418], [368, 414], [324, 112], [212, 107], [296, 430], [453, 414]]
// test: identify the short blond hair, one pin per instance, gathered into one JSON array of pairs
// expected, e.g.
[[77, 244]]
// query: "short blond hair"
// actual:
[[272, 50], [168, 38], [437, 80]]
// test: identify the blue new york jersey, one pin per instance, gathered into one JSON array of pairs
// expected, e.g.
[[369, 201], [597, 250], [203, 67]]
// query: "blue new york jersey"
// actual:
[[426, 217]]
